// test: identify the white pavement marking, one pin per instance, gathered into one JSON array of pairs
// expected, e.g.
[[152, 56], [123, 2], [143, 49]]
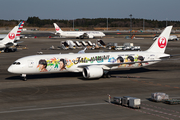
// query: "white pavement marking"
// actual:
[[22, 107], [48, 108]]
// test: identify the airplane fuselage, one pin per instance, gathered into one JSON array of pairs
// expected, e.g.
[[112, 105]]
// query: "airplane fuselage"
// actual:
[[77, 34], [76, 62], [92, 65]]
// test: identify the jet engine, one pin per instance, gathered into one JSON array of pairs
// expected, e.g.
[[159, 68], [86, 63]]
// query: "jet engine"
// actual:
[[90, 36], [92, 72]]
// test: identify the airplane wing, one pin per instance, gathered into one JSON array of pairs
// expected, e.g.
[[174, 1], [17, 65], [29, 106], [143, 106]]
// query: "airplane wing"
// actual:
[[82, 51], [116, 64], [175, 55], [9, 44], [2, 36]]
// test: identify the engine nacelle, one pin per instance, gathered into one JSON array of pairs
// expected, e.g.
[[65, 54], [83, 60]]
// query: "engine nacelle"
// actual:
[[92, 72], [90, 36], [15, 44]]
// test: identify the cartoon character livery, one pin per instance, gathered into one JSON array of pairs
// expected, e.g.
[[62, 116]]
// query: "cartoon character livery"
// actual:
[[92, 65]]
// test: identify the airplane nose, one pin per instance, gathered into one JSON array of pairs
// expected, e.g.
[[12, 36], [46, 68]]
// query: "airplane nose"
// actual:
[[10, 69]]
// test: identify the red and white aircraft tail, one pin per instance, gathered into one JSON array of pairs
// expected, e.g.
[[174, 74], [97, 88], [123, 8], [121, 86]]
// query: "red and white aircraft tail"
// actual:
[[160, 44], [10, 36], [20, 28], [57, 28]]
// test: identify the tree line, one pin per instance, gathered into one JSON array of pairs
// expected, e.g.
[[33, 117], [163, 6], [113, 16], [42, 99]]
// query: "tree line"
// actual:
[[87, 22]]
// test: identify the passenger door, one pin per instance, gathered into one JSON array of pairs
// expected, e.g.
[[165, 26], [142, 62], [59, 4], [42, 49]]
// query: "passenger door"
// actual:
[[30, 63]]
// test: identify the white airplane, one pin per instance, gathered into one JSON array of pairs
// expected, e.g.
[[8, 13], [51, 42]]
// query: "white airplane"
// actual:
[[8, 41], [18, 33], [78, 34], [92, 65], [171, 38]]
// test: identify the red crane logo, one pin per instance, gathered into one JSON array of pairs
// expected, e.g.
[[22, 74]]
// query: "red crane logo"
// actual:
[[162, 42], [11, 36], [57, 29]]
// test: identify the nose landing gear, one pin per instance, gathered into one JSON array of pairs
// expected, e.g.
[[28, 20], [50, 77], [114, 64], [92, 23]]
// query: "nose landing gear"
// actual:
[[24, 77]]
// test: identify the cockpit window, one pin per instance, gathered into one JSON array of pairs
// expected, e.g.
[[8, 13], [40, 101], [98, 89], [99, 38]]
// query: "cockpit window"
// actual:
[[16, 63]]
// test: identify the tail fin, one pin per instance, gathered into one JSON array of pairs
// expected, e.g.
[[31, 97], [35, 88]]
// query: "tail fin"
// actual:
[[57, 28], [20, 28], [161, 42], [10, 37]]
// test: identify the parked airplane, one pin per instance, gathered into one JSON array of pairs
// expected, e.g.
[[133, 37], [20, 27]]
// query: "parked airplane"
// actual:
[[8, 41], [18, 36], [78, 34], [92, 65], [171, 38]]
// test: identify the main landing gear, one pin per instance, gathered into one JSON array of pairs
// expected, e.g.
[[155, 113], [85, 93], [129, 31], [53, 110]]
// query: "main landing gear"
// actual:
[[106, 74], [24, 77]]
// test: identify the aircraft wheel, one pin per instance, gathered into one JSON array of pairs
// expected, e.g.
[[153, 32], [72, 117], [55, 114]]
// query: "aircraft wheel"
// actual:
[[107, 75], [6, 50], [81, 37], [24, 79]]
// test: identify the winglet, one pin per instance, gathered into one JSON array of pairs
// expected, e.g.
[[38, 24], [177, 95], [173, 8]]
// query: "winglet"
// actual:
[[82, 51], [160, 44]]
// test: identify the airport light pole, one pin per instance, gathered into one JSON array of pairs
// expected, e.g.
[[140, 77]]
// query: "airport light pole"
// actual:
[[143, 24], [73, 24], [130, 23], [166, 22], [107, 24]]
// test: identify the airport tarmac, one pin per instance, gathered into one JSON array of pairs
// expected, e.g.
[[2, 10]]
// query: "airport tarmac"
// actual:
[[68, 96]]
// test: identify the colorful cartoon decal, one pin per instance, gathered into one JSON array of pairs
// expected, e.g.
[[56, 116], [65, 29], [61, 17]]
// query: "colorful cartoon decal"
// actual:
[[98, 59], [53, 64], [62, 64], [140, 59], [120, 60], [130, 58], [42, 65]]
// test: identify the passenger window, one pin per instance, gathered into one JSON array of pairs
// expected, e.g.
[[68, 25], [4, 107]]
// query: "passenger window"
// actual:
[[16, 63]]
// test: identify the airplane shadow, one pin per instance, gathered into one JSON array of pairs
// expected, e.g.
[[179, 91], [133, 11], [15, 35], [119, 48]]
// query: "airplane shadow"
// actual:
[[80, 76], [149, 99], [43, 76], [131, 71]]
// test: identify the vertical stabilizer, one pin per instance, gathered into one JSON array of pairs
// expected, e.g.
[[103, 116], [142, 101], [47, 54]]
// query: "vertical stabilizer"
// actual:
[[57, 28], [160, 43], [10, 37], [20, 26]]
